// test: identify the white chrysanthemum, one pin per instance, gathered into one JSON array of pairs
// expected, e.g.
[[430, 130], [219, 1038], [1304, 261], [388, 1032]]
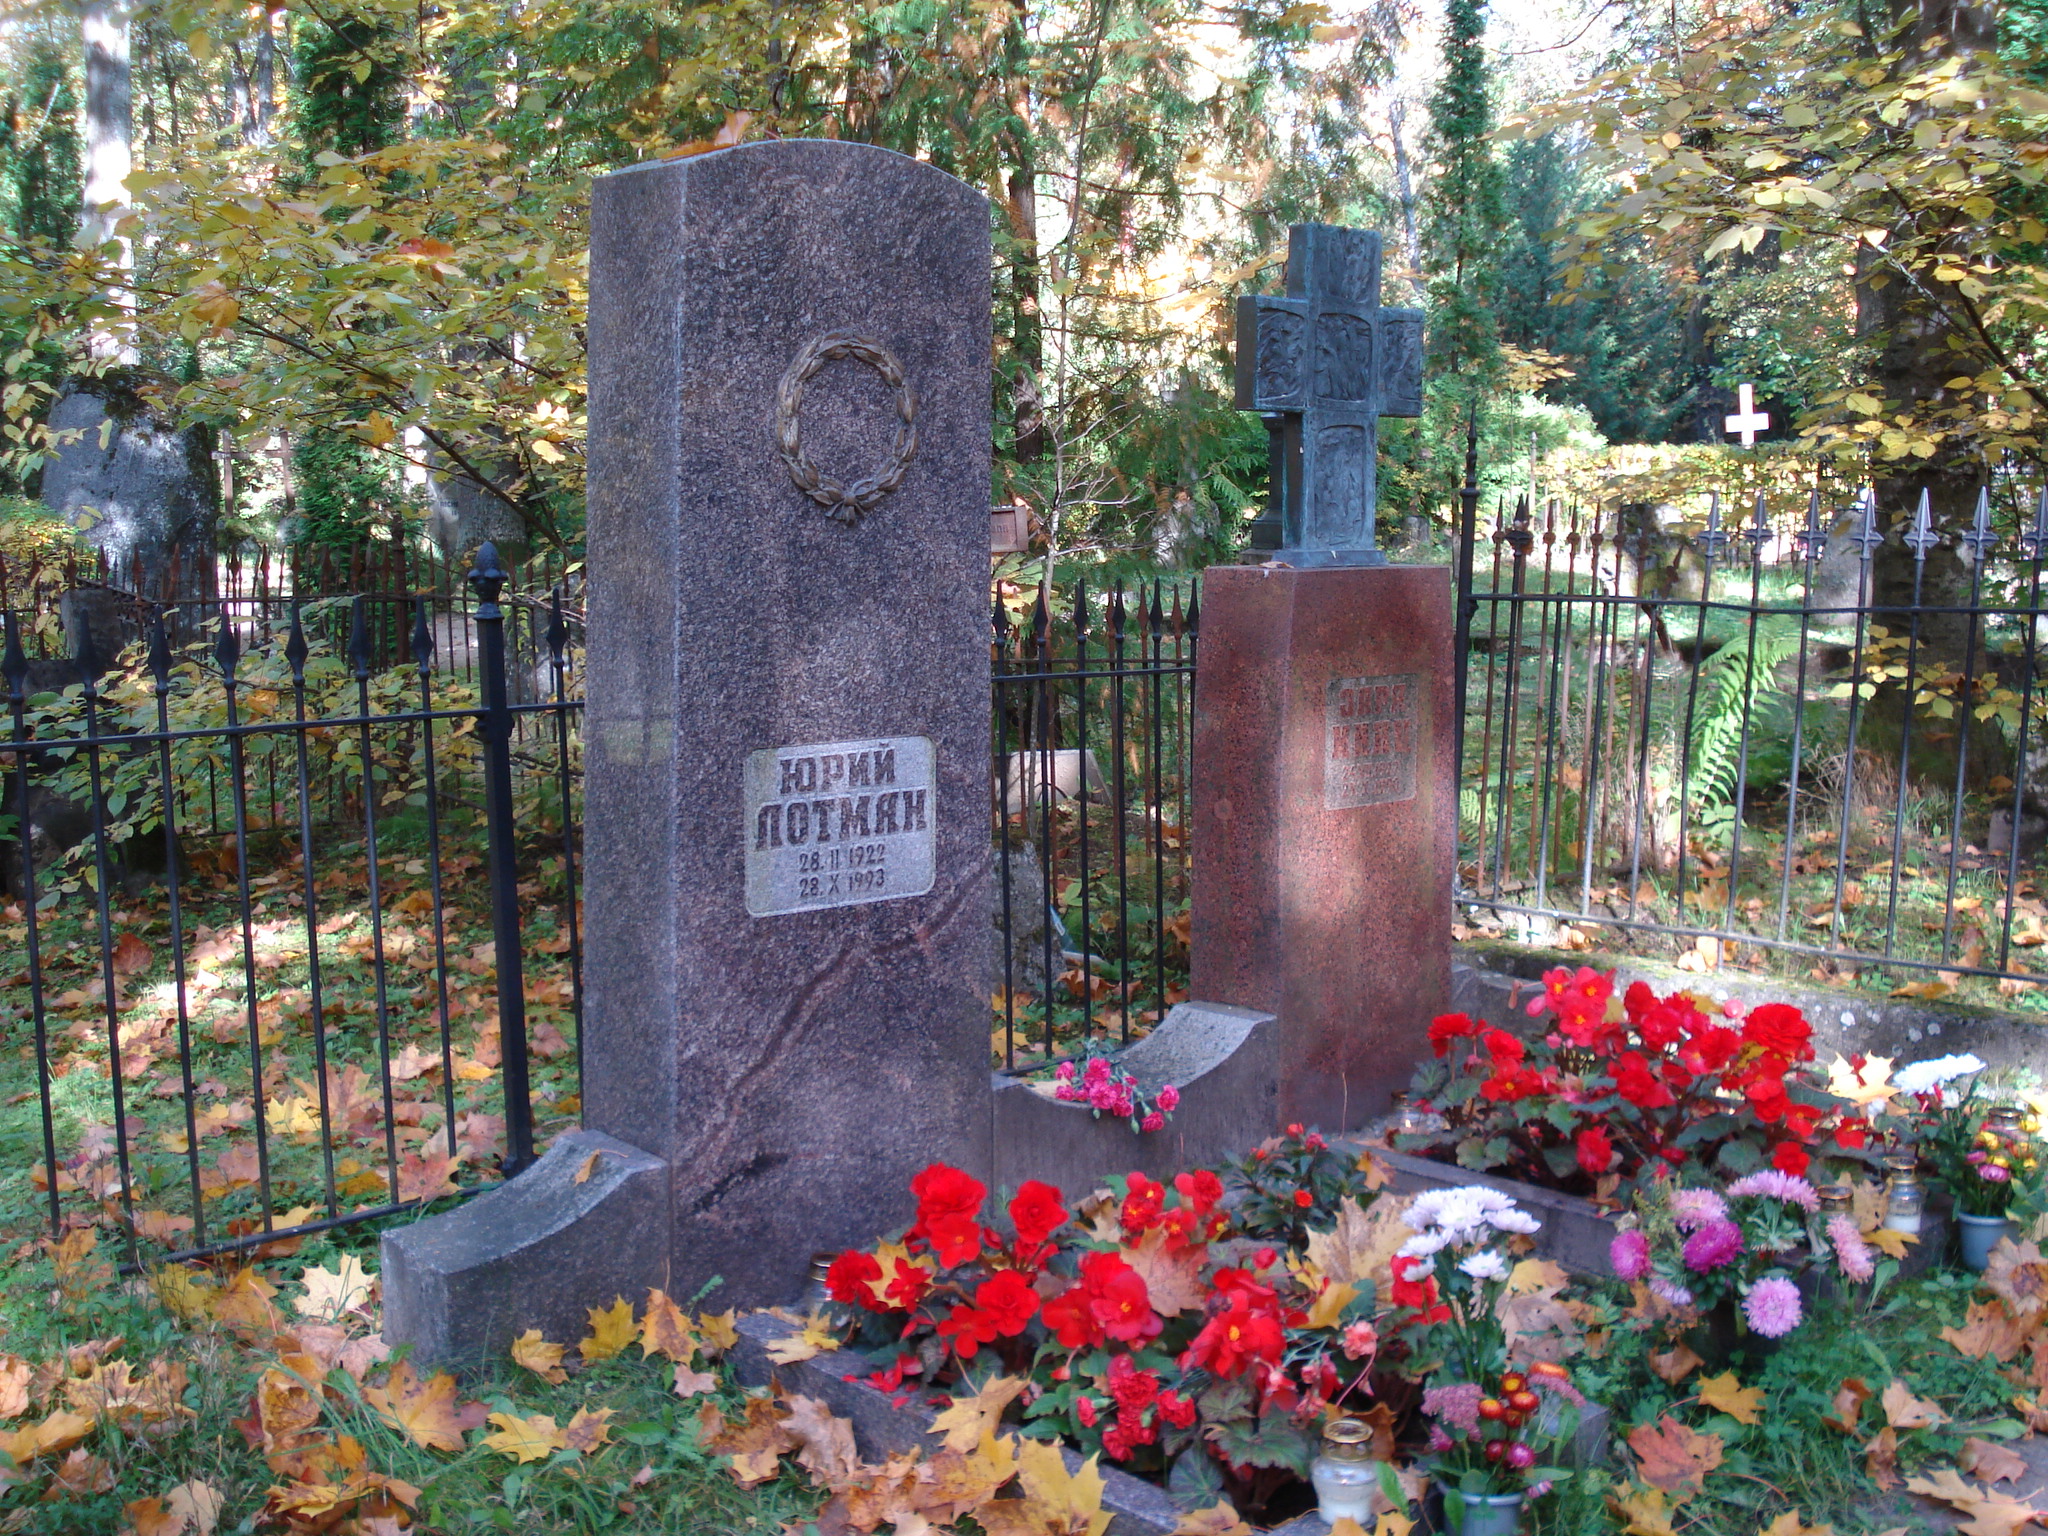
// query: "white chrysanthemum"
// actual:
[[1423, 1245], [1924, 1075], [1484, 1265], [1515, 1221]]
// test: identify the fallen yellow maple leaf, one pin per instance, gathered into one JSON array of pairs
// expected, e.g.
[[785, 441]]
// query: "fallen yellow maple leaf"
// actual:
[[717, 1329], [539, 1356], [611, 1330], [963, 1423], [426, 1411], [333, 1293], [1732, 1397], [526, 1439], [1056, 1502], [666, 1330], [814, 1338], [588, 1430]]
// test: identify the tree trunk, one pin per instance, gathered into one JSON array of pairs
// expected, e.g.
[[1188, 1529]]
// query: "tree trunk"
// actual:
[[1027, 330], [109, 145], [1404, 184]]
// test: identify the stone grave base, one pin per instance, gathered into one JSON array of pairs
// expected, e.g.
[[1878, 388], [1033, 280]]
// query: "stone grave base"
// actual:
[[591, 1220]]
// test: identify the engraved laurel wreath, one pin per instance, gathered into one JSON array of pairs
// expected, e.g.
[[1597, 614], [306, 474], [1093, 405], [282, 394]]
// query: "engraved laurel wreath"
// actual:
[[845, 503]]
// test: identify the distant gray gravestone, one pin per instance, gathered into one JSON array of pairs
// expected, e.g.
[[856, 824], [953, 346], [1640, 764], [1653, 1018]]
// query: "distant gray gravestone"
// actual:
[[1322, 364]]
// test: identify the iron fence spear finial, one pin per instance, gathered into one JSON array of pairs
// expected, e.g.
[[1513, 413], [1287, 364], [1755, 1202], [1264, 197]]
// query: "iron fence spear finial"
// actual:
[[1866, 535], [1921, 537], [2036, 537], [1978, 542]]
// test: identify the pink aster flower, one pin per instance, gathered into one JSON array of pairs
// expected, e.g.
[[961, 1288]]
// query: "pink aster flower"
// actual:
[[1851, 1252], [1629, 1253], [1694, 1208], [1716, 1244], [1774, 1184], [1773, 1306], [1677, 1295]]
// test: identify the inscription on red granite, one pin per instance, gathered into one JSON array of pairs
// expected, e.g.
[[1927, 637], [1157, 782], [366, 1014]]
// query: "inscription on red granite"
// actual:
[[1369, 740]]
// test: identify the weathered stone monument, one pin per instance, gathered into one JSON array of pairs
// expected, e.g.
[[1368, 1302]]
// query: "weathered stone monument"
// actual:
[[787, 740], [144, 492], [1324, 812], [787, 801]]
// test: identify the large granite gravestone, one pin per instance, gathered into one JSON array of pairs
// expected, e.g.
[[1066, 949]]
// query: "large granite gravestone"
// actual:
[[787, 800], [786, 952], [1324, 812]]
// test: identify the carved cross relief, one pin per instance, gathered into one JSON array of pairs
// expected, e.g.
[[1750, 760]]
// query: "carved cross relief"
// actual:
[[1322, 365]]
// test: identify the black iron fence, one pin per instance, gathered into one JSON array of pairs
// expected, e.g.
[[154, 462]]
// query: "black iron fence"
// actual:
[[1093, 719], [290, 931], [1810, 741], [298, 931]]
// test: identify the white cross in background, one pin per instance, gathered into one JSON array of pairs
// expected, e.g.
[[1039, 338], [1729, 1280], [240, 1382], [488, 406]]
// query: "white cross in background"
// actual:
[[1749, 421]]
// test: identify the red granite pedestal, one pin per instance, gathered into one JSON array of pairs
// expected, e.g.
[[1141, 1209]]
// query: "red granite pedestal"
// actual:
[[1325, 821]]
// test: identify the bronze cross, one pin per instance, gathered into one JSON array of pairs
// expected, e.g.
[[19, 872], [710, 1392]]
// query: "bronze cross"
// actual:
[[1322, 365]]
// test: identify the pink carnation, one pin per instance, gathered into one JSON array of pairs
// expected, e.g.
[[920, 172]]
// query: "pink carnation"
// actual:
[[1773, 1307], [1629, 1253], [1154, 1121], [1169, 1098]]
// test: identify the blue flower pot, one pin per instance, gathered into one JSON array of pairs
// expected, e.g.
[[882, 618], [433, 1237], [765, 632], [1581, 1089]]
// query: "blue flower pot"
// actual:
[[1978, 1235]]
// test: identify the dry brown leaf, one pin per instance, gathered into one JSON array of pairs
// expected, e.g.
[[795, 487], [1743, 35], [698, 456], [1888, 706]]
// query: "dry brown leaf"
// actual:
[[689, 1382], [1991, 1461], [1989, 1329], [1173, 1277], [1881, 1458], [1360, 1247], [1675, 1364], [824, 1441], [1988, 1514], [2018, 1274], [1792, 1524], [1902, 1410], [588, 1430], [1672, 1457], [665, 1330], [14, 1378], [539, 1356], [1850, 1397], [586, 1168], [79, 1474]]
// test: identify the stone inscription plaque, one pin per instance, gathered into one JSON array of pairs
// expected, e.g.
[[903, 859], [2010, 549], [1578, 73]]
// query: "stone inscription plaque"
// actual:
[[839, 824], [1369, 740]]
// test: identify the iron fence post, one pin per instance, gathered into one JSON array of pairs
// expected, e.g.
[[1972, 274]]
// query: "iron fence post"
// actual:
[[1467, 603], [487, 579]]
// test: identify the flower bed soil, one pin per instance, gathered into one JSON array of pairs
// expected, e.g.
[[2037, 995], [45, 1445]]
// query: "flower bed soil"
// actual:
[[882, 1429]]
